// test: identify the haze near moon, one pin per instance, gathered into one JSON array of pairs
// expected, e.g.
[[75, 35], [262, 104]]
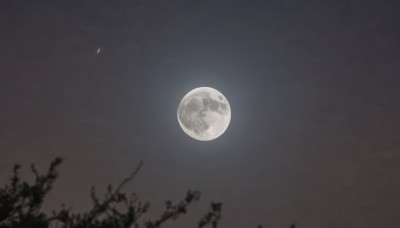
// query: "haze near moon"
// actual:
[[204, 113]]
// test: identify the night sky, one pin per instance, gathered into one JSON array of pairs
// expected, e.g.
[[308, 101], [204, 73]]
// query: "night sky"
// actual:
[[314, 88]]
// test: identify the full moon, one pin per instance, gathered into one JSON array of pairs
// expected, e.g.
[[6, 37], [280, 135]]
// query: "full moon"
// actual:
[[204, 113]]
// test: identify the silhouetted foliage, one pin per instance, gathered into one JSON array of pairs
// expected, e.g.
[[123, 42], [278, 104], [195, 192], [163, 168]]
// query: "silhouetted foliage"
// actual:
[[21, 205], [20, 202]]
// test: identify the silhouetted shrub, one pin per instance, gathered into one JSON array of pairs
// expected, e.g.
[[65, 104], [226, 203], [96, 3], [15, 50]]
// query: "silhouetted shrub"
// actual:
[[21, 205]]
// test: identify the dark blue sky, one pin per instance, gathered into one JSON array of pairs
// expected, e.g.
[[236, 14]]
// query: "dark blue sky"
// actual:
[[314, 89]]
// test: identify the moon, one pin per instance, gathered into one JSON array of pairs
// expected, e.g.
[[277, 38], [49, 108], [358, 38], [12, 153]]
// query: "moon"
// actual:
[[204, 113]]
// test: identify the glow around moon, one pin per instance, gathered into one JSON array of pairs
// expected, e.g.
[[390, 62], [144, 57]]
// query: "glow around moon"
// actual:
[[204, 113]]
